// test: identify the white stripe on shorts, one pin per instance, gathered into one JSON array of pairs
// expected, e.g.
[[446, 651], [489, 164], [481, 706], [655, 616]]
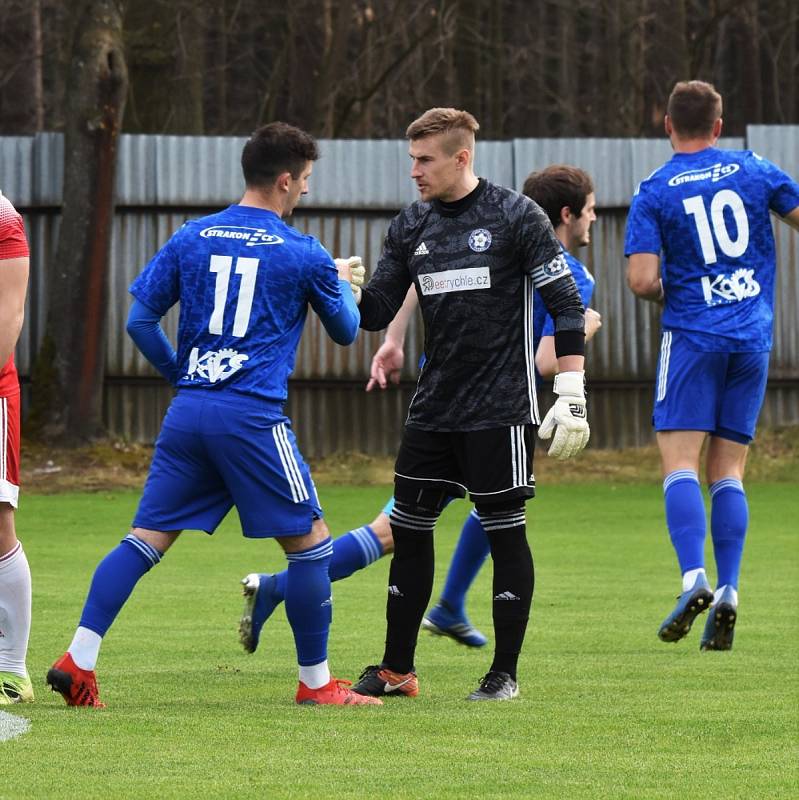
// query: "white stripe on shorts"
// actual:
[[290, 467], [663, 367], [518, 450]]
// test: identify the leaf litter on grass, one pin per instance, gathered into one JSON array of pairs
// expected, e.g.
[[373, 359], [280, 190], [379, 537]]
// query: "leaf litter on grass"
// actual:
[[115, 464]]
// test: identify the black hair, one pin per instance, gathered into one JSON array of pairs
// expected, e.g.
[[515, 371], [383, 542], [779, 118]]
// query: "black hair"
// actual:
[[274, 149]]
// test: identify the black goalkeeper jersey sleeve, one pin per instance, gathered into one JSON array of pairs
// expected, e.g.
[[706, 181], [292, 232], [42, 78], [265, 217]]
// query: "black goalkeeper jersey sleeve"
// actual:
[[382, 297], [475, 272]]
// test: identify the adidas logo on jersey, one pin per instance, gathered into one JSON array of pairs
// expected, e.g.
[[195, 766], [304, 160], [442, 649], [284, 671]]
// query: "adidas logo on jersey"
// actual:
[[395, 592], [421, 250], [506, 596]]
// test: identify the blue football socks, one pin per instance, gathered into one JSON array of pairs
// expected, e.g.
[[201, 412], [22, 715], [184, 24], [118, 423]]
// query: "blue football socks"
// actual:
[[685, 518], [729, 518], [470, 553], [113, 581], [352, 551], [309, 605]]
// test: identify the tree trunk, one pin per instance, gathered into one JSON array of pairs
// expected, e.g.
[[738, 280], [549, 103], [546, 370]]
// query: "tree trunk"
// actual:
[[21, 109], [68, 374]]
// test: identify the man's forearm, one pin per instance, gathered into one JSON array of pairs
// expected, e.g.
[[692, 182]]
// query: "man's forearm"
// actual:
[[398, 327], [653, 292], [643, 276]]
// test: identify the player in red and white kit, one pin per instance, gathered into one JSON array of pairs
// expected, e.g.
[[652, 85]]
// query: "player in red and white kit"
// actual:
[[15, 576]]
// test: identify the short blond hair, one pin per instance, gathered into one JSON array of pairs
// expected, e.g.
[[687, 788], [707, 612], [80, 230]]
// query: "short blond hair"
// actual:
[[460, 127], [693, 108]]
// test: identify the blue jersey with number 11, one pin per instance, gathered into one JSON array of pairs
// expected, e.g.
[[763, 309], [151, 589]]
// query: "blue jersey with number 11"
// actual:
[[707, 215], [244, 279]]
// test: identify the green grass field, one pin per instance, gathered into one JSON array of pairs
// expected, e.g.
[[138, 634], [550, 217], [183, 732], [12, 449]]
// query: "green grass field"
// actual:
[[606, 710]]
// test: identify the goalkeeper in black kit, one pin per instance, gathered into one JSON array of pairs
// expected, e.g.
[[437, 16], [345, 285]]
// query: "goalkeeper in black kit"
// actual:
[[474, 252]]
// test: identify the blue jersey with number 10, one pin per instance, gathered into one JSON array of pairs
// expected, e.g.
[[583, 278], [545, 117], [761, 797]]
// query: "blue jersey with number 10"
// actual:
[[707, 215], [244, 279]]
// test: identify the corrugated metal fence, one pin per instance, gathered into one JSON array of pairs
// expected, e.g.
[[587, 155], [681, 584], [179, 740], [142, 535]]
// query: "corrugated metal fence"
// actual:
[[356, 188]]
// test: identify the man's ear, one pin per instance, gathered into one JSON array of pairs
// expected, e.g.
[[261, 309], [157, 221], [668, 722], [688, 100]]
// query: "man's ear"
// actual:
[[667, 125], [462, 158], [283, 181], [565, 215]]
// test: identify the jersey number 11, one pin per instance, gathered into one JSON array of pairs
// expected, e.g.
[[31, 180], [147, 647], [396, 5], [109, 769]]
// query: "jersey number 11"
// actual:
[[248, 269]]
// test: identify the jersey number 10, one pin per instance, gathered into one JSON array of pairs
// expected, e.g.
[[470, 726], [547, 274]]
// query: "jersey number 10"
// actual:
[[248, 269], [726, 198]]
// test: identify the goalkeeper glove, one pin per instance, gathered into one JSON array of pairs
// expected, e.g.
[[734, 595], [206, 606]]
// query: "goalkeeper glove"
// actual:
[[358, 271], [567, 418]]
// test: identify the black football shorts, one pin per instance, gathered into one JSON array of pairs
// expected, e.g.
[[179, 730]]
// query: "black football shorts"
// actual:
[[492, 465]]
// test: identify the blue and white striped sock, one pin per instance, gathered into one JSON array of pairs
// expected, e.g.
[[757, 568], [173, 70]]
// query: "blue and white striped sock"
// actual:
[[112, 584], [353, 551], [729, 519], [685, 518], [309, 604]]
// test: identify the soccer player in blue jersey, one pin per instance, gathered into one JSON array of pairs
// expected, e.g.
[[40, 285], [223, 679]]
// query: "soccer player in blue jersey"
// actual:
[[700, 241], [566, 194], [244, 280]]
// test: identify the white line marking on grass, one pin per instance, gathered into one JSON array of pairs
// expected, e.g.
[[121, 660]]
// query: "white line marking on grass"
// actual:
[[11, 726]]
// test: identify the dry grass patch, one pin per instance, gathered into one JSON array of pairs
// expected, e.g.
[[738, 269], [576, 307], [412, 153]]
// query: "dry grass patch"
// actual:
[[110, 464]]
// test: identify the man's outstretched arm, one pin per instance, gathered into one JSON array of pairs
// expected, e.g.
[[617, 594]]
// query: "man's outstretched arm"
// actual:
[[387, 362]]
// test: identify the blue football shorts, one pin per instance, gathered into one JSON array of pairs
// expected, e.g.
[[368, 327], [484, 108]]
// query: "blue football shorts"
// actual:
[[721, 393], [219, 450]]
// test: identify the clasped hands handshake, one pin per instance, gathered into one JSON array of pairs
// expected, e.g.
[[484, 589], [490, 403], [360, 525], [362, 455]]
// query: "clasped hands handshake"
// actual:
[[353, 271]]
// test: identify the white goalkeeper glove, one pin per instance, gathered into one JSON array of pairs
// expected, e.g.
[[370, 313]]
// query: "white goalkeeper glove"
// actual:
[[567, 418], [353, 271], [358, 271]]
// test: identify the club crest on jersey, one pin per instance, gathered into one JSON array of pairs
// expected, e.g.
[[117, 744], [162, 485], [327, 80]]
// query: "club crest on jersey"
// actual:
[[214, 365], [721, 289], [480, 240], [250, 236], [713, 174]]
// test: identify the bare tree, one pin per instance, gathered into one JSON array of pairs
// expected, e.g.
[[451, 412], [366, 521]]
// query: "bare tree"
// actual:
[[69, 370], [21, 91]]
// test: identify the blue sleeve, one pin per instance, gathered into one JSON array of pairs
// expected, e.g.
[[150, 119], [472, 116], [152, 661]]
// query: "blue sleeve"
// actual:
[[783, 190], [643, 230], [144, 328], [331, 298], [158, 285], [342, 325]]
